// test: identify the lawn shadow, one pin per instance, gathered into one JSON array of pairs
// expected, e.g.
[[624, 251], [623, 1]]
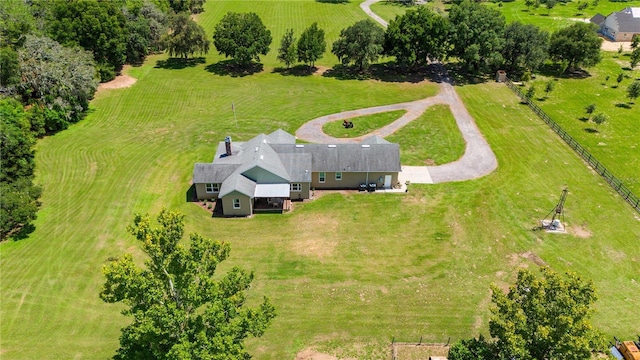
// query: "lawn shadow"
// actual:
[[623, 105], [298, 70], [554, 70], [583, 119], [179, 63], [333, 1], [21, 233], [386, 72], [591, 130], [234, 69]]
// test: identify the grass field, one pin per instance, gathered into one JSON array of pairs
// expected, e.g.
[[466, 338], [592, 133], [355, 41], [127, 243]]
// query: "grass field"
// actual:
[[362, 124], [432, 139], [346, 272], [616, 142]]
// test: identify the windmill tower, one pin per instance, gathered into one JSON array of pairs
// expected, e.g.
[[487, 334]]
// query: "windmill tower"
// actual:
[[555, 225]]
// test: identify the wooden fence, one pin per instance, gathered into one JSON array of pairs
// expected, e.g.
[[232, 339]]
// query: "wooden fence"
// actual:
[[615, 183]]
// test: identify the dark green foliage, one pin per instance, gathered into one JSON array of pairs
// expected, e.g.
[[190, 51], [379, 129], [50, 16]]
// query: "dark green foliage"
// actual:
[[531, 92], [158, 25], [582, 5], [590, 109], [97, 26], [287, 51], [19, 196], [186, 37], [9, 67], [311, 45], [544, 318], [578, 45], [634, 57], [180, 308], [59, 79], [477, 36], [472, 349], [138, 35], [16, 21], [551, 84], [635, 41], [417, 36], [191, 6], [633, 91], [620, 78], [525, 48], [242, 36], [360, 44], [599, 119]]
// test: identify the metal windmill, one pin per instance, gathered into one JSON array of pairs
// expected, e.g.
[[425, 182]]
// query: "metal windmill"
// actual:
[[555, 225]]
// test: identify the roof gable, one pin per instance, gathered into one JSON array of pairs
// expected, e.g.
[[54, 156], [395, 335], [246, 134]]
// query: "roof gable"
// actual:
[[237, 183]]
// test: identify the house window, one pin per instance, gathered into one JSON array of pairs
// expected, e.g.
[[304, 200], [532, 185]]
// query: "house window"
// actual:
[[322, 177], [236, 203], [338, 176], [296, 187], [213, 188]]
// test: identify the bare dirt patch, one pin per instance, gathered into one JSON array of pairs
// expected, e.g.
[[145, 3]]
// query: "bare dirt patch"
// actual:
[[120, 82], [419, 352], [515, 259], [580, 231], [320, 70], [310, 354], [608, 45], [315, 236]]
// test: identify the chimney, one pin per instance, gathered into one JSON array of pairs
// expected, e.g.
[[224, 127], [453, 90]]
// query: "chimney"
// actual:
[[227, 145]]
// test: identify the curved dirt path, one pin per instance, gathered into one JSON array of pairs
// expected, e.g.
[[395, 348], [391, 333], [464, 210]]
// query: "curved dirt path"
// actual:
[[478, 160]]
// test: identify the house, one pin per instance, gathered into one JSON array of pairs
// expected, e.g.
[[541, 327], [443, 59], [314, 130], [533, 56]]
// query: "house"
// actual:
[[268, 171], [621, 25]]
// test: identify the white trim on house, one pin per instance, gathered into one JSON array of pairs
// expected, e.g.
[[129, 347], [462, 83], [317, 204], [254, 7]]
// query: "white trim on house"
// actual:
[[236, 203]]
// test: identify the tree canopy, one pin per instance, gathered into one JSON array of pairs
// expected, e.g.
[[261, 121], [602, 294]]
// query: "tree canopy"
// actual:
[[578, 45], [360, 44], [180, 308], [526, 47], [97, 26], [242, 37], [60, 79], [477, 35], [186, 37], [544, 318], [417, 36], [311, 45], [287, 51]]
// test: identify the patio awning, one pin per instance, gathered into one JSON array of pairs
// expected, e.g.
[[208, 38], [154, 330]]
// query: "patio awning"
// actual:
[[272, 190]]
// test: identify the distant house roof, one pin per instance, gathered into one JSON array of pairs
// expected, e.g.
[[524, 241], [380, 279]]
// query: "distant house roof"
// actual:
[[277, 159], [628, 19], [597, 19]]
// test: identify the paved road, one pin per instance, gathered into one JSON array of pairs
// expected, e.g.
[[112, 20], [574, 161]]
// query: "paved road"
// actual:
[[478, 159]]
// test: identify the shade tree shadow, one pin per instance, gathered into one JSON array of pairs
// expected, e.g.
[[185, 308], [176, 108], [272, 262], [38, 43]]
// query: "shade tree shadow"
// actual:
[[386, 72], [623, 105], [583, 119], [233, 68], [298, 70], [591, 130], [333, 1], [179, 63]]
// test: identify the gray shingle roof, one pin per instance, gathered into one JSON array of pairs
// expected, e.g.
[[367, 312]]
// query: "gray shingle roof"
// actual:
[[597, 19], [298, 166], [349, 157], [281, 137], [258, 153], [375, 139], [626, 20], [239, 183], [210, 173]]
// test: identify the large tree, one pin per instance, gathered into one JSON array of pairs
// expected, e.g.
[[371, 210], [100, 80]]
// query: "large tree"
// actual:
[[242, 36], [97, 26], [180, 308], [526, 47], [544, 317], [360, 44], [311, 45], [287, 51], [578, 45], [477, 36], [186, 37], [61, 80], [16, 21], [417, 36], [19, 196]]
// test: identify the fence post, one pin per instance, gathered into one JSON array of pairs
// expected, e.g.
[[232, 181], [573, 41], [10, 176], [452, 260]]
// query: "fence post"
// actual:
[[613, 181]]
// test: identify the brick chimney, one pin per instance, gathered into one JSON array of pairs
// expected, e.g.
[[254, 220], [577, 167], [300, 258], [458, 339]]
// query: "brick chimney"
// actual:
[[227, 145]]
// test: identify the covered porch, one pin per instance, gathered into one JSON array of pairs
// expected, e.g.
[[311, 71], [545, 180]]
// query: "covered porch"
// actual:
[[271, 198]]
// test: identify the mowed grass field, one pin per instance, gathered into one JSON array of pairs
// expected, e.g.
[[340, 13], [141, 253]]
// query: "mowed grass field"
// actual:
[[615, 143], [346, 272]]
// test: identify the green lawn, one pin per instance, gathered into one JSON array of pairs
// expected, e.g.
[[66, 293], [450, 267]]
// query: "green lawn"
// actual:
[[616, 142], [362, 124], [346, 272], [432, 139]]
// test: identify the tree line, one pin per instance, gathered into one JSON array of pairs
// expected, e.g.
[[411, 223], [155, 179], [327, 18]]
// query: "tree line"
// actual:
[[475, 36], [53, 55]]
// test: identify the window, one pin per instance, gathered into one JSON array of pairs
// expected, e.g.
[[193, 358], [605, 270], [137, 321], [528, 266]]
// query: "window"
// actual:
[[236, 203], [338, 176], [212, 188], [321, 176], [296, 187]]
